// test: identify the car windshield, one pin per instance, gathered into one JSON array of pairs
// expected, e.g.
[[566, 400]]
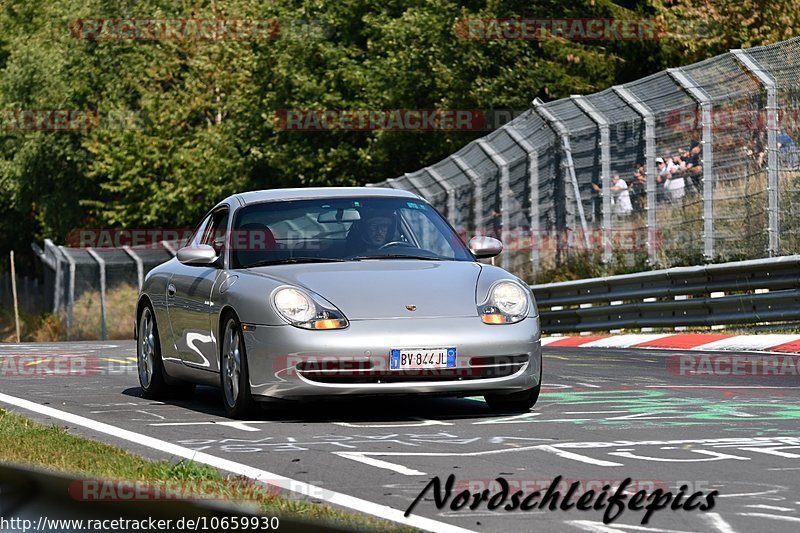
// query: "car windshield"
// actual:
[[342, 229]]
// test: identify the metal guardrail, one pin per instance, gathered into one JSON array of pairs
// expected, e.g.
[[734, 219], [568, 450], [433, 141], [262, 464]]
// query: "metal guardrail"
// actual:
[[745, 292]]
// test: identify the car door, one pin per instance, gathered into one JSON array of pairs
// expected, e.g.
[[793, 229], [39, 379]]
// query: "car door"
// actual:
[[189, 299]]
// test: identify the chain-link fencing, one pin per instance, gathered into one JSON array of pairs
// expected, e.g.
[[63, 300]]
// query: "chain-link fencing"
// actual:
[[691, 165]]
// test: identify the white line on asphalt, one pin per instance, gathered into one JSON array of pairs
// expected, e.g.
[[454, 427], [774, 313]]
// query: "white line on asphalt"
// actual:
[[770, 508], [733, 387], [400, 469], [543, 447], [715, 520], [599, 527], [588, 385], [421, 422], [750, 494], [230, 423], [282, 482], [576, 457], [772, 516]]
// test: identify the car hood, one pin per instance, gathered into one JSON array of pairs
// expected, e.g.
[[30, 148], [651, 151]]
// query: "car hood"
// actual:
[[374, 289]]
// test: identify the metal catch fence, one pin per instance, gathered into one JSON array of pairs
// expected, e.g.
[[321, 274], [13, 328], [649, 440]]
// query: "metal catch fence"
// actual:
[[707, 159]]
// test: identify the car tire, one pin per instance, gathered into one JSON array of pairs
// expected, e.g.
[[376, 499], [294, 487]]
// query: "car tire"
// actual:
[[233, 371], [517, 402], [148, 356]]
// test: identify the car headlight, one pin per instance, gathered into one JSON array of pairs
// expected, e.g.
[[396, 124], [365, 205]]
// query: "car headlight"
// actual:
[[507, 303], [300, 309]]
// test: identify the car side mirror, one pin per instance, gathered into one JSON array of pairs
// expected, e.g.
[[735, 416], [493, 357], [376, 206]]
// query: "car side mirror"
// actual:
[[200, 254], [483, 247]]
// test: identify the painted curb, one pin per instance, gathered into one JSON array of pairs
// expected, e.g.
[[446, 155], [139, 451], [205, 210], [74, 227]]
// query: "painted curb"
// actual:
[[782, 343]]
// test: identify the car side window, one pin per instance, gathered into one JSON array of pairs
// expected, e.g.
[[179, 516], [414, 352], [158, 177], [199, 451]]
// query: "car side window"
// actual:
[[216, 232]]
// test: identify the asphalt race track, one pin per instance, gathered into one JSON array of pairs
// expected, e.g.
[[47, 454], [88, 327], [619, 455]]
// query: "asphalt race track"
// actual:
[[604, 415]]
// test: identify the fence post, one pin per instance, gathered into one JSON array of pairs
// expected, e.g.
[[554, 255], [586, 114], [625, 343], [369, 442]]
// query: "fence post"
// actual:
[[650, 163], [451, 195], [562, 130], [477, 191], [505, 193], [533, 186], [773, 185], [167, 246], [58, 282], [71, 295], [102, 264], [14, 295], [139, 265], [605, 167], [709, 179]]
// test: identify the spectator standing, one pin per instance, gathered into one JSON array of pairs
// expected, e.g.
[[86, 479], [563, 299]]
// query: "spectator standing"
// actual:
[[787, 150], [622, 199], [638, 190], [662, 177], [694, 166]]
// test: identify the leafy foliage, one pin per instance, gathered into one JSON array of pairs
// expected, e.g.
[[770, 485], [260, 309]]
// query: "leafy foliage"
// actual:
[[183, 123]]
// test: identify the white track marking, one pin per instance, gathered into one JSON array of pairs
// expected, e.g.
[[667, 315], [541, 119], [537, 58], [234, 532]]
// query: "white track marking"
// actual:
[[421, 422], [577, 457], [771, 508], [772, 516], [750, 494], [716, 521], [599, 527], [269, 478], [747, 342], [624, 341], [386, 465], [230, 423], [730, 387]]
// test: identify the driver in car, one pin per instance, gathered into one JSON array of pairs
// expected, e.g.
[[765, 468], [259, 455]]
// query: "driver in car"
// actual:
[[375, 229]]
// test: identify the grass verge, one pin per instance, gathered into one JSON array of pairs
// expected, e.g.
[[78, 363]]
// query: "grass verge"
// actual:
[[24, 442]]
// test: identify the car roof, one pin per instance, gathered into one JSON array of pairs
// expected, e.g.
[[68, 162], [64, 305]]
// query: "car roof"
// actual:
[[252, 197]]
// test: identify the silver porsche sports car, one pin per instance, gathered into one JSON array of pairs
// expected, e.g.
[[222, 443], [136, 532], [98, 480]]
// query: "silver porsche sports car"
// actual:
[[297, 294]]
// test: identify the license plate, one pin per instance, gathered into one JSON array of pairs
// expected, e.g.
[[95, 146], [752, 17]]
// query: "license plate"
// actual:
[[422, 358]]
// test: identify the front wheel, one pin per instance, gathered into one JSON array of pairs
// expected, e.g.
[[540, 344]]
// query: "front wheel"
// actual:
[[517, 402], [234, 375]]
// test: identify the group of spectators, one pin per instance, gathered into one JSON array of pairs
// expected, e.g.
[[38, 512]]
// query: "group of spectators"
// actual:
[[676, 176]]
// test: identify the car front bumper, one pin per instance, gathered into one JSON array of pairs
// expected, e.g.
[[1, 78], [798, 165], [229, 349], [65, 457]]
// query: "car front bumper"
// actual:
[[290, 363]]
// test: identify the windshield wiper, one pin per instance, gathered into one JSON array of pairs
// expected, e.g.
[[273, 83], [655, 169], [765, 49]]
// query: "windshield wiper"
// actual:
[[294, 260], [396, 256]]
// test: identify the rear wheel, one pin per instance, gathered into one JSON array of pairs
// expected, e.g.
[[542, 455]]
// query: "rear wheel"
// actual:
[[148, 356], [153, 379], [517, 402], [234, 374]]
